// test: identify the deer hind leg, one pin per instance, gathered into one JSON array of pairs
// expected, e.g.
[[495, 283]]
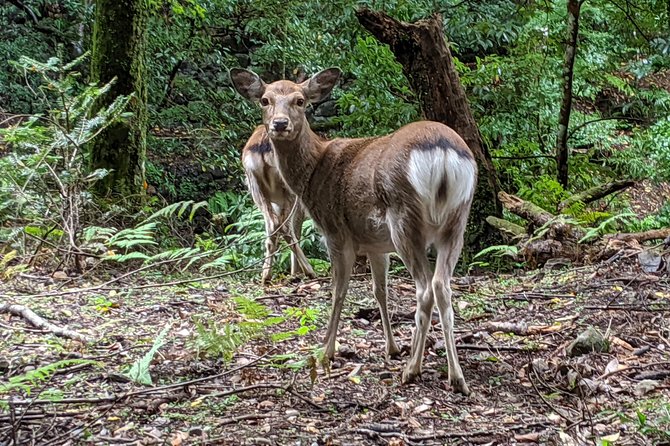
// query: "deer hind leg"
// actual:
[[299, 262], [342, 260], [448, 252], [411, 246], [379, 264]]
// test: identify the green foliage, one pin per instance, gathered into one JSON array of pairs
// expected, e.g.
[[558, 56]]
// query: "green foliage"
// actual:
[[499, 256], [648, 154], [45, 181], [221, 340], [27, 382], [139, 371], [605, 226], [651, 418]]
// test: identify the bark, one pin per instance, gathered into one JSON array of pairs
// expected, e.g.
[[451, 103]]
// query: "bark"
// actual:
[[525, 209], [507, 228], [562, 155], [427, 63], [596, 193], [557, 228], [119, 50], [37, 321], [654, 234]]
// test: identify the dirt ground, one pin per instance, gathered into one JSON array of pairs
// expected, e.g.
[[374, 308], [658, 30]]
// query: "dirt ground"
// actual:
[[526, 388]]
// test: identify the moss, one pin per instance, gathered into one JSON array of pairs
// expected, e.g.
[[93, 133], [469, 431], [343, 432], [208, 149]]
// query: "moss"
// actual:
[[119, 51]]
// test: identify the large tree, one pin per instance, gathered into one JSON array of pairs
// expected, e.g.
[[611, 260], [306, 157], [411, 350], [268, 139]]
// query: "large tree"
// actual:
[[119, 51], [422, 50]]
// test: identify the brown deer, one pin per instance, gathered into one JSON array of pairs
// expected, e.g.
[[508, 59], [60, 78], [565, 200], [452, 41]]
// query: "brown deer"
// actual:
[[401, 192], [282, 213]]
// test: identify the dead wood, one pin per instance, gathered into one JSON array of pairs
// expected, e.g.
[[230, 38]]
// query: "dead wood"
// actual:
[[525, 209], [654, 234], [39, 322], [519, 329], [507, 228], [596, 193]]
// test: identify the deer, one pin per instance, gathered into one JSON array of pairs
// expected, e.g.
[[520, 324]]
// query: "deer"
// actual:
[[282, 212], [402, 192]]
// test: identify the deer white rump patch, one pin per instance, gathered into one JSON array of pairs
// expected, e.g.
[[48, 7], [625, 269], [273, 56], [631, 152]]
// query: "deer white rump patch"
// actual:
[[428, 170]]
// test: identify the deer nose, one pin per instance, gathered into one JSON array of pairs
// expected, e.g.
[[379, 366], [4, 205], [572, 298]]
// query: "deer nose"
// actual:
[[280, 124]]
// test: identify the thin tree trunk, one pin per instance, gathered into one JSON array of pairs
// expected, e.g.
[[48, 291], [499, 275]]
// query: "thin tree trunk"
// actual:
[[119, 50], [423, 52], [562, 155]]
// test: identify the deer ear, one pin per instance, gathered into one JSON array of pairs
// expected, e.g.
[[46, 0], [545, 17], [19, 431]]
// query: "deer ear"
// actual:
[[247, 83], [319, 86]]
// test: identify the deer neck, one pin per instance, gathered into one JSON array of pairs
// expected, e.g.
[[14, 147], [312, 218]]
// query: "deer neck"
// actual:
[[297, 159]]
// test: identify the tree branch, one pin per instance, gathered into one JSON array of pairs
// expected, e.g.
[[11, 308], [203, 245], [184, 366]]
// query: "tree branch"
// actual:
[[39, 322]]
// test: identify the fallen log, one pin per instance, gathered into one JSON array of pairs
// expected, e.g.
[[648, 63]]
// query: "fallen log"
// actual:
[[596, 193], [507, 228], [525, 209], [37, 321], [654, 234]]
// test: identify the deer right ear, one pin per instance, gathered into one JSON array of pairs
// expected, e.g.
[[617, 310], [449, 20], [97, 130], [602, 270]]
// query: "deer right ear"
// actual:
[[318, 86], [247, 83]]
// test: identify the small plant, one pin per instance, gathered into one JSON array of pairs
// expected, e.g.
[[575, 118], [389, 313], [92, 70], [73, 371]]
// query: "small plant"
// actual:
[[27, 382], [45, 180], [139, 371]]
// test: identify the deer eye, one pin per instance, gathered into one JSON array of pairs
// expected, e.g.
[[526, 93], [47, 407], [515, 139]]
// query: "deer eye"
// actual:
[[265, 102], [300, 102]]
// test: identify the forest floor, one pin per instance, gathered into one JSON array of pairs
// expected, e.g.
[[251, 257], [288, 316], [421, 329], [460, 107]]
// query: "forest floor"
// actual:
[[526, 388]]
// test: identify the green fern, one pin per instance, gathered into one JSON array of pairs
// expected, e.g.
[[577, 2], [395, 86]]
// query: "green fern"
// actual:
[[139, 371], [499, 251], [25, 383], [605, 226]]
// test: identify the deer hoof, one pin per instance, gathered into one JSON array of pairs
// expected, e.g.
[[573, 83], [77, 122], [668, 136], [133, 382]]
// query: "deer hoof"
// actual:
[[459, 385], [393, 352], [409, 376]]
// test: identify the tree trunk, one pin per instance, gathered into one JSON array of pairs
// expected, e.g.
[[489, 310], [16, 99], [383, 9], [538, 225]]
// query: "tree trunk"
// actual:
[[566, 104], [422, 51], [119, 50]]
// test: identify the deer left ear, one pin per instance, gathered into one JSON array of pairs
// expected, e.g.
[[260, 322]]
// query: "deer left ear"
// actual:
[[247, 83], [319, 86]]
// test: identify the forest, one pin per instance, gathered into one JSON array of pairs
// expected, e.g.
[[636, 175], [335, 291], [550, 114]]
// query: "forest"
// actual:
[[162, 282]]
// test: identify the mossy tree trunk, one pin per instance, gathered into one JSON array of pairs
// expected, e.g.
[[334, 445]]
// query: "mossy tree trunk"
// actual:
[[119, 51], [423, 52]]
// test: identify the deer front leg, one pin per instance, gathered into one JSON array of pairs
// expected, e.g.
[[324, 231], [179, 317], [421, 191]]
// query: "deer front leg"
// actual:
[[271, 239], [299, 262], [379, 264], [342, 260]]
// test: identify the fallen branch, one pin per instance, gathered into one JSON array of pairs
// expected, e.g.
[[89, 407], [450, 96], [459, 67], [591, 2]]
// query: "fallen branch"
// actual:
[[596, 193], [496, 348], [507, 227], [39, 322], [654, 234], [248, 416], [525, 209], [519, 329]]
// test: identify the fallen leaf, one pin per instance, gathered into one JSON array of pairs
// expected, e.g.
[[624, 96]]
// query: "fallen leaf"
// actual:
[[611, 438], [531, 437], [422, 408]]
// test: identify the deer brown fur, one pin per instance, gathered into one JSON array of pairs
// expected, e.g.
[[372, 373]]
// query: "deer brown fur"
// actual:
[[401, 192], [282, 213]]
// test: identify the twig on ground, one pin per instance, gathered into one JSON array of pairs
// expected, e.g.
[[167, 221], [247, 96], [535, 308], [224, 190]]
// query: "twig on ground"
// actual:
[[39, 322], [248, 416]]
